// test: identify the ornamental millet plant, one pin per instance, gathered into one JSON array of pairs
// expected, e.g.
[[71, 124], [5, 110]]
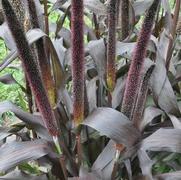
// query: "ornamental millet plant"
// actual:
[[111, 45], [134, 74], [77, 35], [42, 58], [30, 68]]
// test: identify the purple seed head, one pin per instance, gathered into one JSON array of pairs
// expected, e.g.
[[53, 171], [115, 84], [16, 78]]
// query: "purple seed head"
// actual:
[[134, 74], [19, 9], [30, 68], [43, 63], [33, 14], [77, 60], [111, 45], [124, 8], [141, 98]]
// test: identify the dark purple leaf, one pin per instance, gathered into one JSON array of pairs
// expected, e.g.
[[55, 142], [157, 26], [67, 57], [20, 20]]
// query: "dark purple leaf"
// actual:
[[4, 132], [163, 140], [105, 161], [125, 49], [58, 44], [145, 163], [58, 4], [162, 91], [117, 94], [127, 163], [8, 79], [114, 125], [17, 174], [7, 37], [149, 114], [90, 33], [168, 15], [9, 58], [11, 154], [66, 35], [96, 7], [32, 36], [169, 176], [97, 51], [34, 121], [91, 93], [141, 6], [175, 121]]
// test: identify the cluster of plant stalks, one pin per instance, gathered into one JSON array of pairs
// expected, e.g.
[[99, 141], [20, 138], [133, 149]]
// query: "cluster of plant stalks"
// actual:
[[100, 100]]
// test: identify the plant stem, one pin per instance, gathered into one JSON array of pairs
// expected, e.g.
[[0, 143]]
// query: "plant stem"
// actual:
[[62, 163], [62, 158], [45, 2], [109, 99], [119, 149], [61, 21], [29, 95]]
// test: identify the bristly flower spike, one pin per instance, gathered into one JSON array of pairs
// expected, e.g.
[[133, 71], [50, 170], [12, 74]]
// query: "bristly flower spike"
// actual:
[[30, 68], [134, 74], [19, 9], [45, 68], [141, 98], [124, 18], [77, 60], [111, 45]]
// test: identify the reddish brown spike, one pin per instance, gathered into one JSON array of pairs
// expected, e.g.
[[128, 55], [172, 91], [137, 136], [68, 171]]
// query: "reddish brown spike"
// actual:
[[19, 9], [45, 68], [124, 4], [33, 14], [77, 60], [134, 74], [111, 45], [141, 99], [30, 68]]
